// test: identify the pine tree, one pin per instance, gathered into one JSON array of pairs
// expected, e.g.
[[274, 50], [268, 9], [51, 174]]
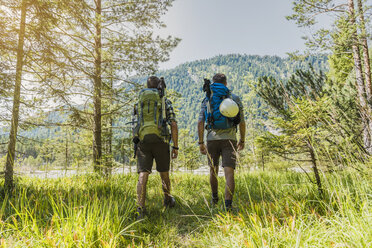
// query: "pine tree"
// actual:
[[305, 15], [107, 41], [34, 23], [363, 38], [300, 105]]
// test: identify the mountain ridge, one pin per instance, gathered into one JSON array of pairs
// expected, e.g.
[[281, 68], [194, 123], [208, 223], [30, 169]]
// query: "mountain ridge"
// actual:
[[186, 80], [240, 69]]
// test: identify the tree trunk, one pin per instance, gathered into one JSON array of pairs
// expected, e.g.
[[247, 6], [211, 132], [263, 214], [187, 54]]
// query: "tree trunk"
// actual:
[[97, 129], [110, 132], [66, 154], [367, 68], [123, 154], [129, 158], [315, 168], [16, 102], [367, 63], [365, 109]]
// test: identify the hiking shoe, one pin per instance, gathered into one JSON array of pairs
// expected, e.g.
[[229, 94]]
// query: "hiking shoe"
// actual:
[[140, 213], [169, 202], [230, 209], [214, 201]]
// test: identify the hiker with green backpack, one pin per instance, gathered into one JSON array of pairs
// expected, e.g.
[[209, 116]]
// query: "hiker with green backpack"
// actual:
[[154, 114], [221, 115]]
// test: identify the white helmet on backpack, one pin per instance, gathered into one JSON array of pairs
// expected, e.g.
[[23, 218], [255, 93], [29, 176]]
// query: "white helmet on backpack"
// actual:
[[229, 108]]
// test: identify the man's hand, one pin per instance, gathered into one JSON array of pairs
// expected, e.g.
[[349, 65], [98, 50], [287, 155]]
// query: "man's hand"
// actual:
[[174, 133], [240, 145], [242, 135], [203, 149], [174, 153]]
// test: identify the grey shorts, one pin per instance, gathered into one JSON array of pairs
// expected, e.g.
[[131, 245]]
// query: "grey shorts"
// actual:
[[146, 154], [225, 148]]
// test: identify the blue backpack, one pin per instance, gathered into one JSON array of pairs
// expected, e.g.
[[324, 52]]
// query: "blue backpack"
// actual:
[[214, 118]]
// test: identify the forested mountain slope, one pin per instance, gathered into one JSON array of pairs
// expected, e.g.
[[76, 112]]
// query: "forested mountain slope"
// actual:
[[241, 70], [187, 81]]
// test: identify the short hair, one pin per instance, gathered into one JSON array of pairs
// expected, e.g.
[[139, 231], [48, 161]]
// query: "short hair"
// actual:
[[220, 78], [153, 82]]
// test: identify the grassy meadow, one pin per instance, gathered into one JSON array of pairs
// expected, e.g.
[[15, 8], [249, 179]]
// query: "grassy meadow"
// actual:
[[276, 209]]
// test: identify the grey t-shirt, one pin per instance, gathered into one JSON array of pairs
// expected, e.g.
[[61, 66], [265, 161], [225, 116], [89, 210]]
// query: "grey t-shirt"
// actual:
[[221, 134]]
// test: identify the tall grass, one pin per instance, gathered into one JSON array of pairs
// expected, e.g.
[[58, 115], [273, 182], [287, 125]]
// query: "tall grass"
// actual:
[[285, 211], [275, 210], [79, 211]]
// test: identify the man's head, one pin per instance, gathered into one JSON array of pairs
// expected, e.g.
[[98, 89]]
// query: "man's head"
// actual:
[[220, 78], [153, 82]]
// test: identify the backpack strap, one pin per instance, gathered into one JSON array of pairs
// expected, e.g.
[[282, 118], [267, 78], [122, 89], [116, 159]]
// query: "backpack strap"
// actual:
[[155, 110], [163, 108], [229, 95], [208, 113], [142, 120]]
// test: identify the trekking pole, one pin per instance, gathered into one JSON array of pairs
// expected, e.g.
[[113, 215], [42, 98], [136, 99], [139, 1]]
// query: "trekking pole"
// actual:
[[135, 139], [207, 90], [162, 87]]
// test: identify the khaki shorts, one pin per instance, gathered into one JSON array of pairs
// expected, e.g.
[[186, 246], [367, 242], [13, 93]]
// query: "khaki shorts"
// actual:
[[225, 148], [146, 154]]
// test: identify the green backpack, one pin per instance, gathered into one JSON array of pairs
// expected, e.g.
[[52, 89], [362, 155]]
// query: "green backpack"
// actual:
[[150, 126]]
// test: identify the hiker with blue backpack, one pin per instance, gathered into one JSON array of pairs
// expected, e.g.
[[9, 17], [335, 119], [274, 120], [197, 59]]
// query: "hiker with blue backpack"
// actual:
[[153, 116], [221, 115]]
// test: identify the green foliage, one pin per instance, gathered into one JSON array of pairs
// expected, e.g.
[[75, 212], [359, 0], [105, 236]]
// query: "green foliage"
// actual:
[[314, 120], [302, 114], [306, 14], [275, 210], [184, 85], [300, 128], [341, 60], [189, 158], [299, 105], [241, 71], [289, 219]]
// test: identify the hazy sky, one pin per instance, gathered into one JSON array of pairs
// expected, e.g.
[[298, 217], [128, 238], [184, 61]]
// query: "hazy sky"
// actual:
[[211, 27]]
